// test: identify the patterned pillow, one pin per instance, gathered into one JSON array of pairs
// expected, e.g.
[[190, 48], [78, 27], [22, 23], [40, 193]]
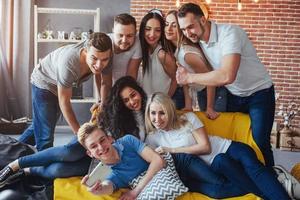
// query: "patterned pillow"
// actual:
[[165, 185]]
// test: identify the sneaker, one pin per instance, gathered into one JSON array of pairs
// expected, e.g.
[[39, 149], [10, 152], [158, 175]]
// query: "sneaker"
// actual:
[[15, 177], [290, 183], [5, 173]]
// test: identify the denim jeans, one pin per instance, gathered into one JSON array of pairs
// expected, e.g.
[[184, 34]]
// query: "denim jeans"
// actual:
[[58, 162], [241, 166], [45, 109], [200, 177], [220, 104], [178, 98], [261, 109]]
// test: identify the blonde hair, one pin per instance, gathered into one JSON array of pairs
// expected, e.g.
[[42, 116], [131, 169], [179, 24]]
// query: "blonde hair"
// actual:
[[175, 121], [85, 130]]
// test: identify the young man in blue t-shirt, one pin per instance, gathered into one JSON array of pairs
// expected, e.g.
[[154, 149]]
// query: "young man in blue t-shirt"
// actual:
[[128, 157]]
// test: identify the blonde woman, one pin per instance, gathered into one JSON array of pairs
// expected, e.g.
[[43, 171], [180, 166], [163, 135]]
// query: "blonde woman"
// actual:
[[170, 132]]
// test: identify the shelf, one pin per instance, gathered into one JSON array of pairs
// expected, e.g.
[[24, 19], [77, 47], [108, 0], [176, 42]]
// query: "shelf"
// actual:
[[66, 11], [85, 100], [58, 40], [95, 14]]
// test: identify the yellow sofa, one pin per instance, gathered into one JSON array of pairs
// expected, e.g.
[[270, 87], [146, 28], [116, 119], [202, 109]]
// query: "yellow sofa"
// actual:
[[235, 126]]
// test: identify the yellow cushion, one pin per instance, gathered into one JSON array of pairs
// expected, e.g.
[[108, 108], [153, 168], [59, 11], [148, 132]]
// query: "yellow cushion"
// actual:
[[235, 126]]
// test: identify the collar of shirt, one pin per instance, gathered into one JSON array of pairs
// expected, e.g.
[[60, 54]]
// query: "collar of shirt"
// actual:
[[120, 148], [213, 37]]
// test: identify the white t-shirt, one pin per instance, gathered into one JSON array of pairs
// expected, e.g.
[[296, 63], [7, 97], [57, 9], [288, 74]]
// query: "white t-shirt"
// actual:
[[121, 60], [227, 39], [180, 54], [156, 79], [183, 137]]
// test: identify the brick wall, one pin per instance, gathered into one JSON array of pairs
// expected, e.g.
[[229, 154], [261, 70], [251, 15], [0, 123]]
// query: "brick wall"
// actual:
[[272, 25]]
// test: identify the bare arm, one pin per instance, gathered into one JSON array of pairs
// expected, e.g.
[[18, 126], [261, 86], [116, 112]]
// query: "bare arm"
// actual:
[[201, 147], [188, 102], [156, 164], [210, 111], [198, 64], [169, 64], [106, 84], [226, 74], [64, 98], [133, 67]]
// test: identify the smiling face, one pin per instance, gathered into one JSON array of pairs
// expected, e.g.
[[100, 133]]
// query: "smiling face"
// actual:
[[158, 116], [171, 28], [99, 145], [124, 36], [97, 60], [131, 98], [152, 32], [192, 27]]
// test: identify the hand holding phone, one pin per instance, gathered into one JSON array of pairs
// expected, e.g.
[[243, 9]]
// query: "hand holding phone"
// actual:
[[99, 173]]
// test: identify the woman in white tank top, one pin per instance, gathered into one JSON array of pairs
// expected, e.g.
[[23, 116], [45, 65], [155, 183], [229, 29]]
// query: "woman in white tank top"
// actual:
[[192, 58], [159, 67]]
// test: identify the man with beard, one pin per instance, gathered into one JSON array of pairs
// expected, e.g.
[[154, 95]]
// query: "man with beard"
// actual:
[[126, 47], [127, 53], [237, 66]]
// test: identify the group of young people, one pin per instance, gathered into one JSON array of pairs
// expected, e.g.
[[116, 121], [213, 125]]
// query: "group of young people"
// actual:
[[180, 53]]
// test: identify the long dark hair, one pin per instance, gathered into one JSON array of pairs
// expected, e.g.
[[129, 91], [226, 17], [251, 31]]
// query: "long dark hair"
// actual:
[[115, 117], [144, 44]]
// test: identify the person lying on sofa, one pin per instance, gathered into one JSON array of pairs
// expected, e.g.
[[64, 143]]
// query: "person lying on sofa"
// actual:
[[126, 103], [127, 156], [174, 133]]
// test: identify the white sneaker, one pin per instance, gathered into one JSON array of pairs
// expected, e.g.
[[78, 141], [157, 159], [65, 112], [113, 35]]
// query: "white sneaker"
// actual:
[[290, 183]]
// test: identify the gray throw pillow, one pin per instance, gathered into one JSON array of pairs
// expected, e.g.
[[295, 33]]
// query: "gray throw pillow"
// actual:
[[165, 185]]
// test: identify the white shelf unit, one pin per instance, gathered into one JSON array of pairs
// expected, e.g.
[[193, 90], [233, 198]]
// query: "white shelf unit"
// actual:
[[41, 10]]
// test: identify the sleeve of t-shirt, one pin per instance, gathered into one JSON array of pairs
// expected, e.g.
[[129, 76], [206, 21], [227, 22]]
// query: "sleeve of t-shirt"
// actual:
[[151, 140], [65, 76], [130, 141], [137, 49], [231, 39], [194, 120]]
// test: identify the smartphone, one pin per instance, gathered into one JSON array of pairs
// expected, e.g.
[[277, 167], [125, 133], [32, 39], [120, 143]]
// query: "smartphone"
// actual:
[[99, 173]]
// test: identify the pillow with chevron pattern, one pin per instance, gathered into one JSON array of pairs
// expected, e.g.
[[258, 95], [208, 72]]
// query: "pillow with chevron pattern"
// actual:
[[165, 185]]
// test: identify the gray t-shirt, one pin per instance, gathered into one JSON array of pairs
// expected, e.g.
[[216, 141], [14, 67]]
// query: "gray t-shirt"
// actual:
[[121, 60], [61, 67]]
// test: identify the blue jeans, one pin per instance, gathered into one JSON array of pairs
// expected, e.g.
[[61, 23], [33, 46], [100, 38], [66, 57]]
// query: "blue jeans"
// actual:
[[58, 162], [220, 104], [45, 109], [240, 165], [178, 98], [199, 177], [261, 109]]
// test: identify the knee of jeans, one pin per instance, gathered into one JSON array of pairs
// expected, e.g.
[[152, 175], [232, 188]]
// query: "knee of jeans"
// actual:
[[53, 171], [220, 160]]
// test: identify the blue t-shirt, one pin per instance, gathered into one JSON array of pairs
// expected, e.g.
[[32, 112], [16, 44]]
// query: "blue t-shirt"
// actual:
[[131, 164]]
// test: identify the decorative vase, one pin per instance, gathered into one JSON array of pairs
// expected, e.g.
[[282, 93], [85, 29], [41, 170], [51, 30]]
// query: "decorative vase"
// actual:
[[287, 141]]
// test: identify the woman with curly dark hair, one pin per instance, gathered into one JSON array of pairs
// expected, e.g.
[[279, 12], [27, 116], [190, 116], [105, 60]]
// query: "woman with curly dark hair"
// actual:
[[123, 112]]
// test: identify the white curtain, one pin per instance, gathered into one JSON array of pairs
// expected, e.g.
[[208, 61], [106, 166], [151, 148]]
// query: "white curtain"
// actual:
[[16, 54]]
